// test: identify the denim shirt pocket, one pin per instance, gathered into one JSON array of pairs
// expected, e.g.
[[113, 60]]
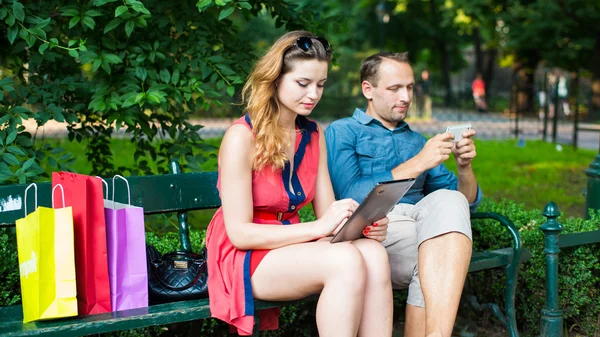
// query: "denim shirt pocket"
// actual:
[[369, 157]]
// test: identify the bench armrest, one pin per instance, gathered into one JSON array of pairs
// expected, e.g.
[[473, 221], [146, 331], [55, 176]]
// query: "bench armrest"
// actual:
[[504, 221], [513, 268]]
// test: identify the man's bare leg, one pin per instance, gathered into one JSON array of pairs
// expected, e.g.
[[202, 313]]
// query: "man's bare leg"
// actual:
[[443, 265], [414, 321]]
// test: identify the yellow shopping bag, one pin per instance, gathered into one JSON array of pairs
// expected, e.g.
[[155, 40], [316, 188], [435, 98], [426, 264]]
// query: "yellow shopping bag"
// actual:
[[47, 262]]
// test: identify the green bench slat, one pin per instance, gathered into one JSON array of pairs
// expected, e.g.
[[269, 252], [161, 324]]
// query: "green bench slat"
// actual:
[[494, 259], [156, 194], [578, 239], [13, 326], [94, 324]]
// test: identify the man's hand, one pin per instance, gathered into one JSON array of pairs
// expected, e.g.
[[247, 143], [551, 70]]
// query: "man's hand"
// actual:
[[464, 150], [435, 151]]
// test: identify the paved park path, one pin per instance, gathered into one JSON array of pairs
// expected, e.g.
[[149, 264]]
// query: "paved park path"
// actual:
[[488, 126]]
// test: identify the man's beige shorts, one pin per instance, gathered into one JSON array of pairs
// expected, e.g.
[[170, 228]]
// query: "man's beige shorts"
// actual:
[[440, 212]]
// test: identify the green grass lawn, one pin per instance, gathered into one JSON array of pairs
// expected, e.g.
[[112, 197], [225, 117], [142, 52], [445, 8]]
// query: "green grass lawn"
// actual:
[[533, 174]]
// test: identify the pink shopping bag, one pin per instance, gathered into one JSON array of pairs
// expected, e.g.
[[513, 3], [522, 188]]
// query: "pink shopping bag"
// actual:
[[126, 242]]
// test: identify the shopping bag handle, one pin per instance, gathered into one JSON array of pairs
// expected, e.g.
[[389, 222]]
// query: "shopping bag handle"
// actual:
[[25, 196], [128, 189], [105, 185], [62, 192]]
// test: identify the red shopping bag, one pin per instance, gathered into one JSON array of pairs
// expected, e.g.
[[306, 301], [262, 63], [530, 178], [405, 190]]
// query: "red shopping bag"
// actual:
[[84, 194]]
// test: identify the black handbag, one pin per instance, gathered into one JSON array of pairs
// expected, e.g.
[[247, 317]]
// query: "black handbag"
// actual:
[[176, 276]]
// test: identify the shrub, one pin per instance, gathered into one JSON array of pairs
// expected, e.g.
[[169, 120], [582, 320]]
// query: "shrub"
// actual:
[[579, 269]]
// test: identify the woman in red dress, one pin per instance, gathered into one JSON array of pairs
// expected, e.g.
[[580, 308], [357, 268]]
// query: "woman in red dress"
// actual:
[[272, 162]]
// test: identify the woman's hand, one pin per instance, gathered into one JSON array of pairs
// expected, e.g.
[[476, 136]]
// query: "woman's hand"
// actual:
[[378, 230], [337, 213]]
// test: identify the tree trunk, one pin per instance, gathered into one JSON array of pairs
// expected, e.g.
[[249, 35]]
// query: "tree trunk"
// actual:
[[445, 59], [478, 52], [488, 73], [596, 76], [444, 56]]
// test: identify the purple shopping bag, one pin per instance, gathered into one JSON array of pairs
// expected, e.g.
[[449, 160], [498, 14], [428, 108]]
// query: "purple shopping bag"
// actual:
[[126, 243]]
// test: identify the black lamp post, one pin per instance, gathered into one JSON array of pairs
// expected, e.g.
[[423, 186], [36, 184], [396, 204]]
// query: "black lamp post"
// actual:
[[383, 16]]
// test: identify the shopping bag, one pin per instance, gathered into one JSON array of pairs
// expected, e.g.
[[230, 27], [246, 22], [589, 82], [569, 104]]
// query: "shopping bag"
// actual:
[[46, 261], [84, 194], [126, 242]]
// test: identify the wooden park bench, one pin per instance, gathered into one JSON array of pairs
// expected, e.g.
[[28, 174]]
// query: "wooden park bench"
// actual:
[[182, 192]]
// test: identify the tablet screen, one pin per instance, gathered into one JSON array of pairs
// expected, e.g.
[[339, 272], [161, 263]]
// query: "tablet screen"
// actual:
[[378, 203]]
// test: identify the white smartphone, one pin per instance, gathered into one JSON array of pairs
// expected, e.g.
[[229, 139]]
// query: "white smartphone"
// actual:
[[458, 130]]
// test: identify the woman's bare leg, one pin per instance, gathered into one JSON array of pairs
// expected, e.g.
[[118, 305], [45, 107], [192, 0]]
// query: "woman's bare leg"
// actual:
[[378, 307], [336, 271]]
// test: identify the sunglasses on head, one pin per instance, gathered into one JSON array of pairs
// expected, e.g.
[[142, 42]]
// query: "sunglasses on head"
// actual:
[[306, 42]]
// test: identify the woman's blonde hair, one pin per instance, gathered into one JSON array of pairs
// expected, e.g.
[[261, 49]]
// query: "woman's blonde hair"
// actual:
[[260, 99]]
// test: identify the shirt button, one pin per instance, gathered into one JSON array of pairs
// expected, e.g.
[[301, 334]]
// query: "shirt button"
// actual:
[[299, 193], [293, 207]]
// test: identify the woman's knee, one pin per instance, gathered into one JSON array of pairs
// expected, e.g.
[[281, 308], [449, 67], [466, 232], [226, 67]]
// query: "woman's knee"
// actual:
[[345, 262], [376, 259]]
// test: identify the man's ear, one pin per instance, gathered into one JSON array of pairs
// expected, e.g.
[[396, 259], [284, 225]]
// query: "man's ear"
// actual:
[[367, 89]]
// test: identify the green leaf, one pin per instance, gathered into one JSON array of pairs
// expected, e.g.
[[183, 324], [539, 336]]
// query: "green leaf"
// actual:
[[3, 12], [96, 64], [10, 159], [153, 97], [244, 5], [43, 24], [70, 11], [73, 53], [18, 11], [139, 97], [165, 76], [11, 137], [112, 58], [99, 3], [129, 27], [74, 21], [106, 66], [89, 22], [43, 48], [23, 33], [112, 25], [10, 20], [72, 42], [221, 2], [140, 9], [226, 12], [15, 150], [93, 13], [121, 10], [12, 34], [203, 4], [141, 73], [30, 39], [230, 90], [58, 116], [38, 32], [28, 163], [175, 77]]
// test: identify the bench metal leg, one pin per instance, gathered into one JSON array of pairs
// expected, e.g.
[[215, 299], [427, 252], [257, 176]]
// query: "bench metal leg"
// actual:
[[509, 304]]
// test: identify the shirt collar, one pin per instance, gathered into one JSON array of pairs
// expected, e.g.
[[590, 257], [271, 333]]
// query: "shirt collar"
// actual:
[[361, 116]]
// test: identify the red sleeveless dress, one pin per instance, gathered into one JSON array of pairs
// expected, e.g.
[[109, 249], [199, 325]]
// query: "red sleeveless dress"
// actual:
[[230, 269]]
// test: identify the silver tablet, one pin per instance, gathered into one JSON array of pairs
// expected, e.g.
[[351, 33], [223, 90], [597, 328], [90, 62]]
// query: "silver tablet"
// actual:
[[378, 203]]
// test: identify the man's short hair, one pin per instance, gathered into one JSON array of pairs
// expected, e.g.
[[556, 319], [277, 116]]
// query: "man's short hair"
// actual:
[[369, 70]]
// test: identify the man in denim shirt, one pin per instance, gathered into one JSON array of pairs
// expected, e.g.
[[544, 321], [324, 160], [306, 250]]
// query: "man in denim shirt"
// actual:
[[429, 235]]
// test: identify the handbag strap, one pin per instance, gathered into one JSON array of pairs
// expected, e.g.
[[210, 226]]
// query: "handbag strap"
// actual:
[[189, 285]]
